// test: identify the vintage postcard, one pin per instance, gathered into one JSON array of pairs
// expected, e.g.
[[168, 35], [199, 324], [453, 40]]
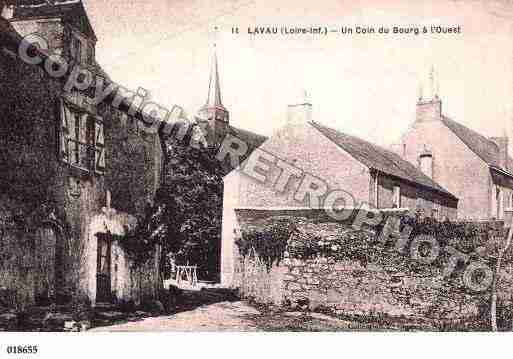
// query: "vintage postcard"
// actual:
[[255, 166]]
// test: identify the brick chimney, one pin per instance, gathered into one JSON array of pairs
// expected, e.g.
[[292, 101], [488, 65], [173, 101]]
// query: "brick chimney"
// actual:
[[429, 109], [502, 144], [300, 113]]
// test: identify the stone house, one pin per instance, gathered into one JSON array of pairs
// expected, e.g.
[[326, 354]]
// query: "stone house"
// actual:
[[70, 169], [326, 160], [476, 169]]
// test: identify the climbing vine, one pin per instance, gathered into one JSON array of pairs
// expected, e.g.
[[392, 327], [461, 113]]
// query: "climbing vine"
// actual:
[[273, 242], [268, 244]]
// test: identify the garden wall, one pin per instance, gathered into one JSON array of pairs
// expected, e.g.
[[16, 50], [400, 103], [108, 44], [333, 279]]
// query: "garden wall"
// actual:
[[369, 277]]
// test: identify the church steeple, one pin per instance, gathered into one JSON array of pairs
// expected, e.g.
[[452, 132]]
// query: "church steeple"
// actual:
[[213, 115], [214, 87]]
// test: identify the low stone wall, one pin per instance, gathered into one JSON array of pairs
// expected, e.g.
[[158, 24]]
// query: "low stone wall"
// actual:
[[255, 280], [353, 289], [391, 285]]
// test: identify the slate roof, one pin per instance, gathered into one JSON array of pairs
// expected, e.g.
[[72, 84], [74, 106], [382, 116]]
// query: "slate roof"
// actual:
[[379, 158], [72, 11], [483, 147], [252, 139]]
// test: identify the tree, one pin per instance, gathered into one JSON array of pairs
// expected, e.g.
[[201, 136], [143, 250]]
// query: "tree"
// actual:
[[187, 211]]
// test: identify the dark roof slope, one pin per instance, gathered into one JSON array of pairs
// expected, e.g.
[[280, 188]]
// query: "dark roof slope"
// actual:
[[483, 147], [379, 158], [251, 139], [72, 11]]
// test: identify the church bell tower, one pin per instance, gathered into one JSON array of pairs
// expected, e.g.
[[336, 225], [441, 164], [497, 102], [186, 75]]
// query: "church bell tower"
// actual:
[[213, 116]]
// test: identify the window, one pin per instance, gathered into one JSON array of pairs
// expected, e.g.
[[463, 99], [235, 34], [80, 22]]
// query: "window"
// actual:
[[99, 147], [76, 48], [397, 197], [418, 203], [436, 211], [82, 51], [500, 207], [82, 139], [90, 54]]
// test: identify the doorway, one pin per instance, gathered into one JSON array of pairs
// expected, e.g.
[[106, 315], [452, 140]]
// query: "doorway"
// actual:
[[103, 269]]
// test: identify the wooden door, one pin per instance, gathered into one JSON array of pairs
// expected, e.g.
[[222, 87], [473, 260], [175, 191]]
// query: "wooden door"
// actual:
[[103, 280]]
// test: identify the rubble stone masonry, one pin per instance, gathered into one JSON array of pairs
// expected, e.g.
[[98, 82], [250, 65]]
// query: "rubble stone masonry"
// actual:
[[387, 287]]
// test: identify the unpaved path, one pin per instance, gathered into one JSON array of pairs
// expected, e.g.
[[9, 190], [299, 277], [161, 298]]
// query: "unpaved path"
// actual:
[[224, 316]]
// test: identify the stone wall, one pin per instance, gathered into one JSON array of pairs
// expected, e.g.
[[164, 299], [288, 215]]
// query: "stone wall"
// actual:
[[391, 285], [255, 280], [350, 288]]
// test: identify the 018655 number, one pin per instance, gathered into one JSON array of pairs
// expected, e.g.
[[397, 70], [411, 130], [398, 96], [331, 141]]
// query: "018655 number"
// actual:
[[22, 349]]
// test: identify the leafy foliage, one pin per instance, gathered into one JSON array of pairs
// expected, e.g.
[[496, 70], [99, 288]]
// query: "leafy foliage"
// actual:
[[185, 218], [269, 245], [368, 246], [187, 213]]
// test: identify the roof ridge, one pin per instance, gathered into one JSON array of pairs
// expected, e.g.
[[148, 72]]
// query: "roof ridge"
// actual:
[[395, 163]]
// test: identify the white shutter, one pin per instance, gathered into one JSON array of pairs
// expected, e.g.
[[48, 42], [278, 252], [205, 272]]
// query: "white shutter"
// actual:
[[99, 159], [65, 133], [397, 196], [82, 129], [494, 201]]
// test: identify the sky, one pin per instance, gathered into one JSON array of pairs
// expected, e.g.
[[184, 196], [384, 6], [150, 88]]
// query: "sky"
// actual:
[[364, 85]]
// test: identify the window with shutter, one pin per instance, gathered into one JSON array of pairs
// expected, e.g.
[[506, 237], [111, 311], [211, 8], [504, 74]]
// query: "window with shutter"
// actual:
[[99, 146], [436, 212], [76, 48], [90, 54], [397, 196], [82, 139], [78, 140]]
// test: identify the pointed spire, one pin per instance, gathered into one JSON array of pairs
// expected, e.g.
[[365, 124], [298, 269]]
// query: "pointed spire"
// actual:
[[214, 86]]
